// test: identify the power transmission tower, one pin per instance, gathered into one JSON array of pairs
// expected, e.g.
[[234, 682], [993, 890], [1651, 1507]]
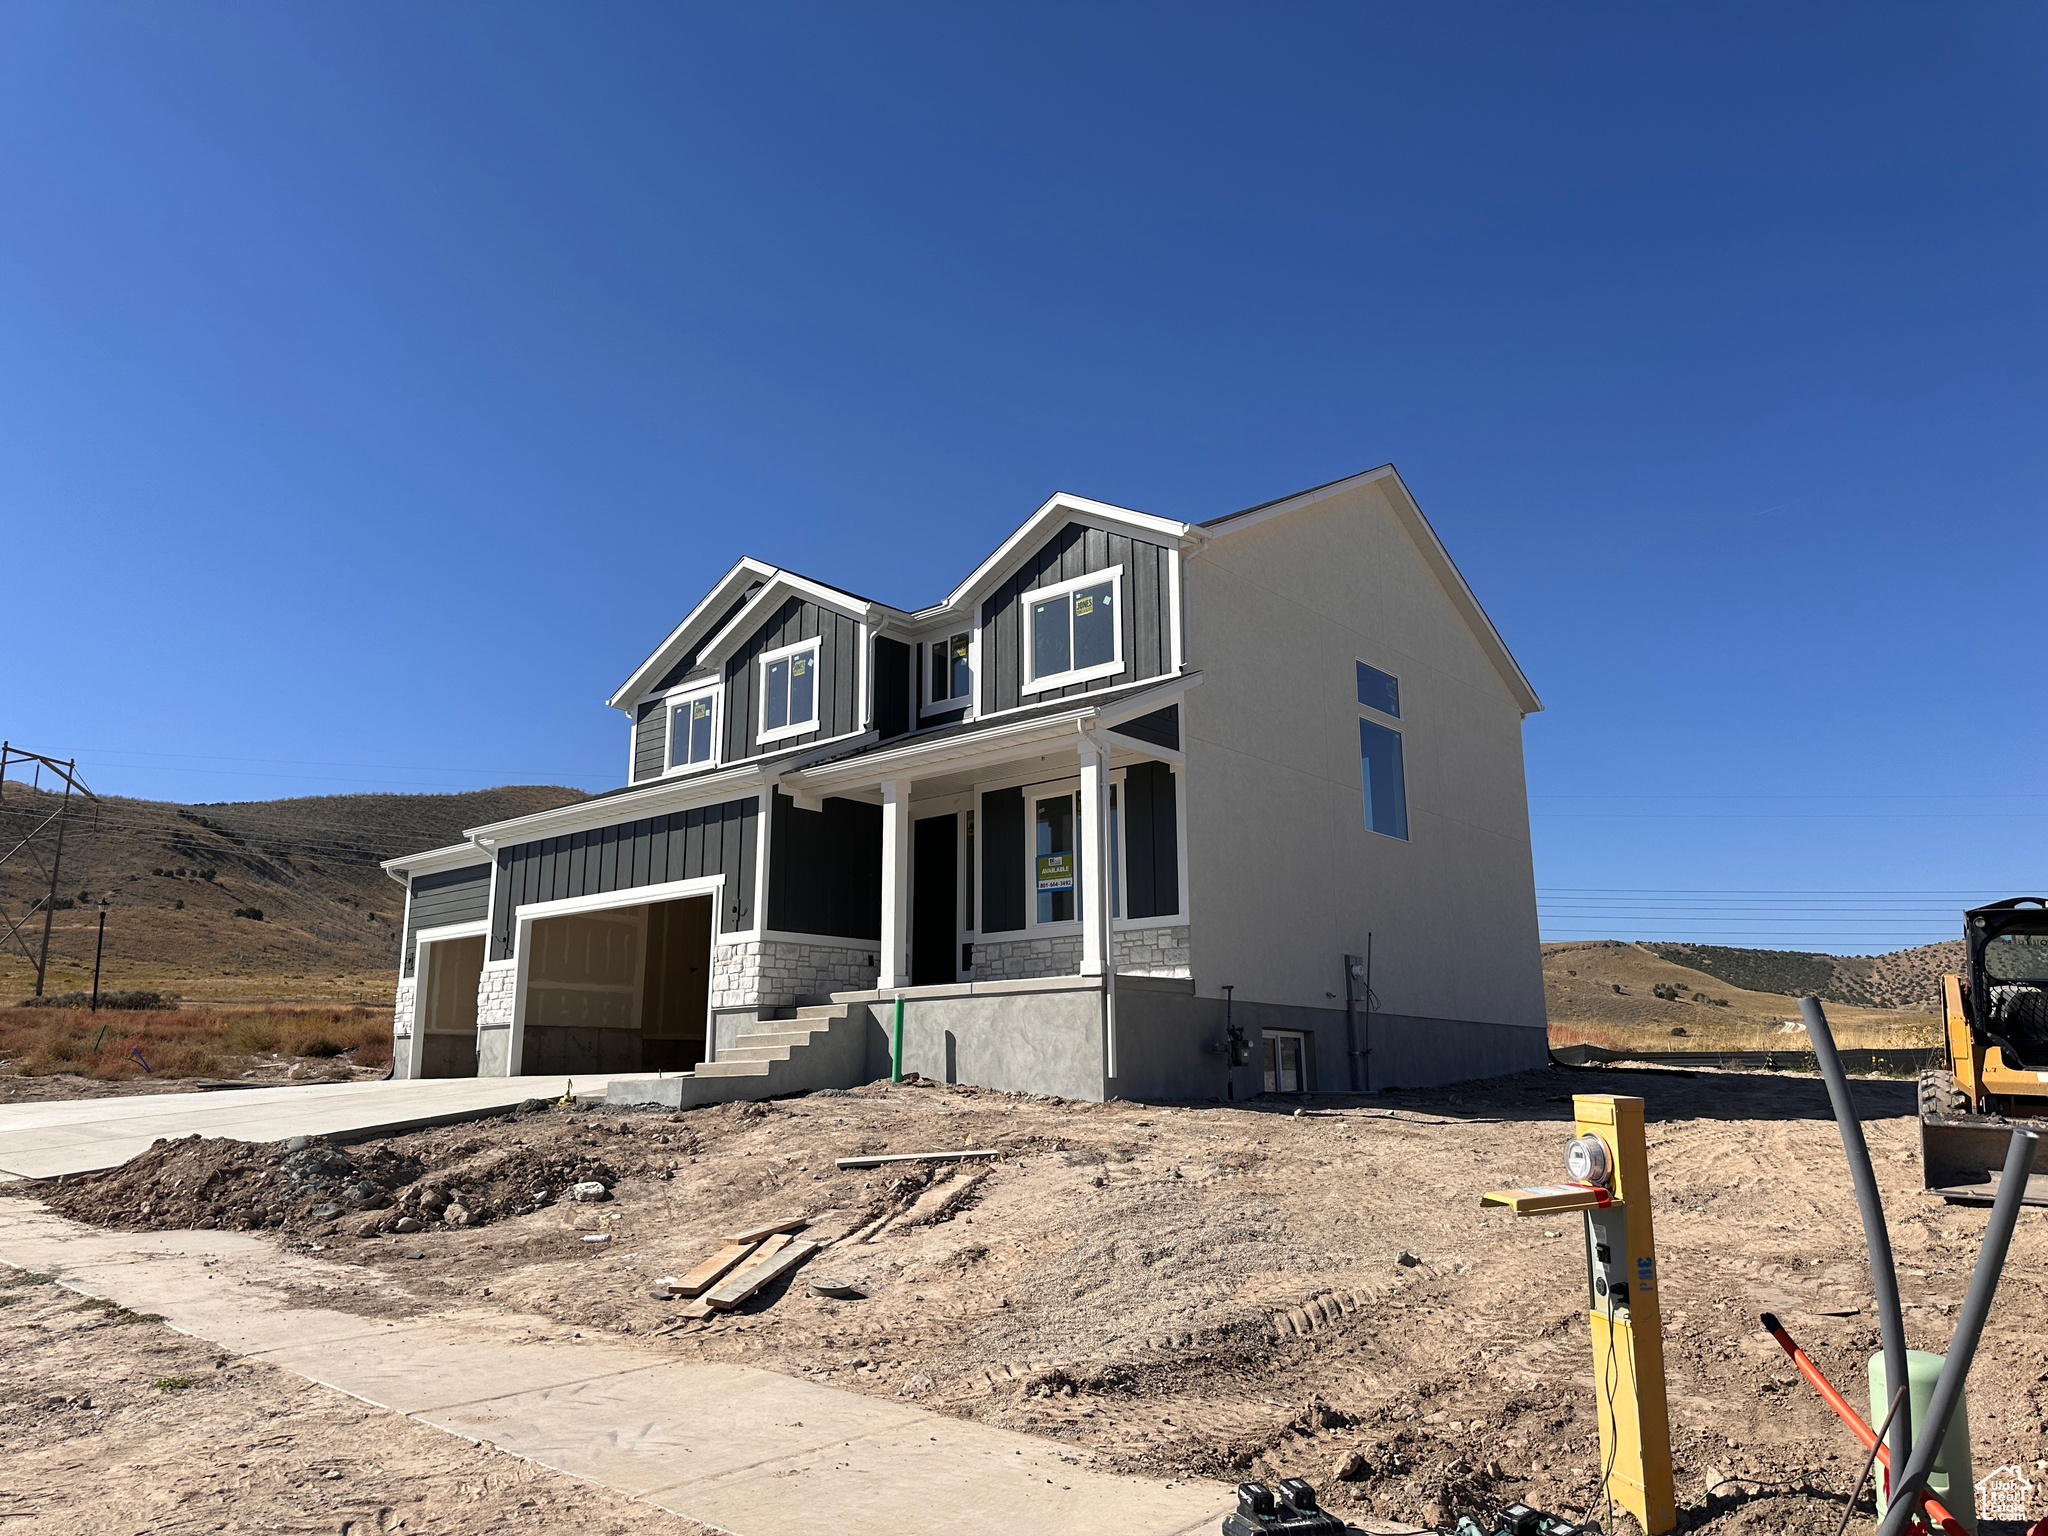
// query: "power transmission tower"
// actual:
[[25, 828]]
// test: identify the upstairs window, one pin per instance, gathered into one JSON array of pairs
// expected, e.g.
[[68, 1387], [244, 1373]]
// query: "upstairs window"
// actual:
[[952, 673], [1377, 690], [692, 730], [1386, 791], [789, 691], [1071, 630]]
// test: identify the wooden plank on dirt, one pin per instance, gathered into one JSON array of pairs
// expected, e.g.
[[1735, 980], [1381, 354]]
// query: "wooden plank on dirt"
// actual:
[[755, 1276], [712, 1270], [767, 1229], [914, 1157]]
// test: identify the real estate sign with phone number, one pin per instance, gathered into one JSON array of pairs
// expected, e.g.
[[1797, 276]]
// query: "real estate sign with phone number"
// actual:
[[1055, 871]]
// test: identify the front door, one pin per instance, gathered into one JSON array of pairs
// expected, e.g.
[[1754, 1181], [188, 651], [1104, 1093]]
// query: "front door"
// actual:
[[935, 902], [1285, 1070]]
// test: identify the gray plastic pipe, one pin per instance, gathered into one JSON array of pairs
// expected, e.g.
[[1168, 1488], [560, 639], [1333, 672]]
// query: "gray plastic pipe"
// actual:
[[1884, 1279], [1955, 1367]]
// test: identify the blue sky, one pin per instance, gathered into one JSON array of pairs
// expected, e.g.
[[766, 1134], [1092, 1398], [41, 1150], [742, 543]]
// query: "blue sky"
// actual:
[[381, 382]]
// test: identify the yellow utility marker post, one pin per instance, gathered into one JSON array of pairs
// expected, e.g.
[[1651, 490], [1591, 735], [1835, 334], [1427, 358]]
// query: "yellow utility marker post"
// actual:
[[1609, 1169]]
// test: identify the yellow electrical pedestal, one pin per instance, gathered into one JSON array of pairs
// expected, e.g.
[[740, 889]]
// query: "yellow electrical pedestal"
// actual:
[[1609, 1180]]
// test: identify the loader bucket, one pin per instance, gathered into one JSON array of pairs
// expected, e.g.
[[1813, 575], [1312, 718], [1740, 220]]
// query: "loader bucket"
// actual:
[[1961, 1158]]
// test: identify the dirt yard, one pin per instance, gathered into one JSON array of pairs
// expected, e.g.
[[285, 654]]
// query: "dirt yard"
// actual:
[[1213, 1291]]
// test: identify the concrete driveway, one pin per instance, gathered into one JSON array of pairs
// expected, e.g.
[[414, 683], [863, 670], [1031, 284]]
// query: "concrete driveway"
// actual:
[[58, 1136]]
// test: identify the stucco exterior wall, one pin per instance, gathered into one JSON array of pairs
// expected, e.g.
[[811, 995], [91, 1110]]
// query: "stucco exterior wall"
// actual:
[[1284, 877]]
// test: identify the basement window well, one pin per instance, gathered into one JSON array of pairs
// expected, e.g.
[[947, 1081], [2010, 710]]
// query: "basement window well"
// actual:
[[789, 691]]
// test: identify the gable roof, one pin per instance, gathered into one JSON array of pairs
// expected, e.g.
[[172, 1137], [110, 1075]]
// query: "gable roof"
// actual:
[[1434, 555], [713, 625], [1060, 507], [708, 624]]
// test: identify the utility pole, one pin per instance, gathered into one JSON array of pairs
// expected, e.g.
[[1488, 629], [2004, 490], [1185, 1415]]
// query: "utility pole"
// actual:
[[22, 817], [98, 950]]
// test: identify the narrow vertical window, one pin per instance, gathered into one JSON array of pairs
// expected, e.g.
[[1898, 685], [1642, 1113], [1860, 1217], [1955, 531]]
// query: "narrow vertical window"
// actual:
[[952, 676], [1386, 791], [1057, 861], [1116, 895], [968, 925], [691, 729]]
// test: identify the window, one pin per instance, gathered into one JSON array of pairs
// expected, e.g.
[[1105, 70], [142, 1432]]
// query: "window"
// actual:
[[1377, 690], [952, 674], [1386, 795], [1071, 630], [789, 691], [692, 730], [1056, 861]]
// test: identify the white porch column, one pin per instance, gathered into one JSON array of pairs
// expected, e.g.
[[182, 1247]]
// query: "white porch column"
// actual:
[[895, 966], [1090, 886]]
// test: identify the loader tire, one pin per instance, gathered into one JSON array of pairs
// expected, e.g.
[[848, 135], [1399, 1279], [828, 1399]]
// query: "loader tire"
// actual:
[[1940, 1098]]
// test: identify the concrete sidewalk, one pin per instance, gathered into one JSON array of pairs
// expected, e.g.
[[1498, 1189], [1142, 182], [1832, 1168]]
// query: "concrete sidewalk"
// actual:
[[749, 1451], [40, 1141]]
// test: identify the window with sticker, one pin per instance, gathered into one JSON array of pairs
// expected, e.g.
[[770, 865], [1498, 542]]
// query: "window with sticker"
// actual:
[[789, 691], [692, 730], [1073, 631]]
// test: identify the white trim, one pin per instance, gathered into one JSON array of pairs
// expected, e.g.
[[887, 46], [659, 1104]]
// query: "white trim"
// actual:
[[476, 928], [779, 587], [632, 896], [423, 942], [524, 917], [819, 940], [1059, 508], [434, 861], [1176, 618], [863, 679], [763, 732], [672, 702], [664, 655], [1030, 683]]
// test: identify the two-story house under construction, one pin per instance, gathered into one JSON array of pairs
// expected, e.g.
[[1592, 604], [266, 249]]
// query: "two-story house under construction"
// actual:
[[1133, 785]]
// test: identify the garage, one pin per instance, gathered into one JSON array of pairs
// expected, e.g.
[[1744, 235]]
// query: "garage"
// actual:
[[447, 1045], [619, 989]]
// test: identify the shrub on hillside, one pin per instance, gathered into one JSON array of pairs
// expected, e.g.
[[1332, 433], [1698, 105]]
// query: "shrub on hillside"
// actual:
[[254, 914]]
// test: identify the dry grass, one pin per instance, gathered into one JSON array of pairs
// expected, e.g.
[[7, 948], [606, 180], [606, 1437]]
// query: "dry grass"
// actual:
[[184, 1042]]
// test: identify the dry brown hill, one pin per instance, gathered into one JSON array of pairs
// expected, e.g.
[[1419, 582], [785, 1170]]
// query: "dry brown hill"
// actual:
[[178, 873], [1905, 978], [1622, 995]]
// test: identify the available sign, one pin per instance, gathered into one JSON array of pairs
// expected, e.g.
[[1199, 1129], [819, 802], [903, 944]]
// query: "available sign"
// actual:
[[1056, 871]]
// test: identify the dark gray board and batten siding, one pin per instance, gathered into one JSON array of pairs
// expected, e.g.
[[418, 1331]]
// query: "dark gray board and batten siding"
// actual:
[[447, 896], [650, 740], [838, 676], [825, 869], [1078, 550], [718, 839]]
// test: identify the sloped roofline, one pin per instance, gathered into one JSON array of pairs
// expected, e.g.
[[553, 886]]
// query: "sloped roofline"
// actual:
[[1058, 507], [698, 624], [1434, 555]]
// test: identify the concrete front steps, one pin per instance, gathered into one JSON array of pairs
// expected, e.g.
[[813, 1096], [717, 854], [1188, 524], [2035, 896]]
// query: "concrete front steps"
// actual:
[[822, 1047]]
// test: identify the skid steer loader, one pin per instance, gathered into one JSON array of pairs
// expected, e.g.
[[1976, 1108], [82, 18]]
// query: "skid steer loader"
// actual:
[[1997, 1036]]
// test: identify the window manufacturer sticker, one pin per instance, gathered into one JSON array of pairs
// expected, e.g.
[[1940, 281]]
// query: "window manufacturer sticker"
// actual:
[[1084, 605]]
